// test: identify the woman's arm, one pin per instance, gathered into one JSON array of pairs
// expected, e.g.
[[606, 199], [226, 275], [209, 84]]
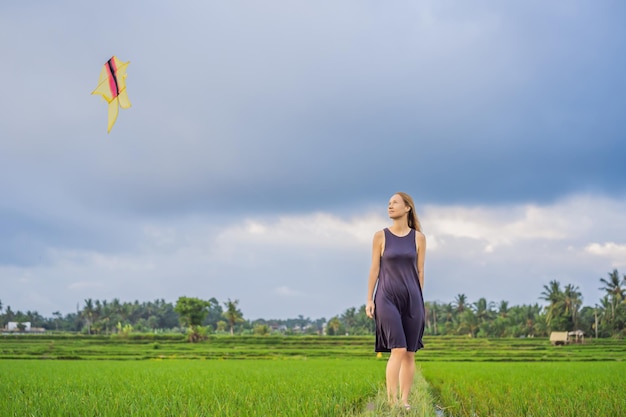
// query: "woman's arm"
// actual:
[[377, 248], [420, 243]]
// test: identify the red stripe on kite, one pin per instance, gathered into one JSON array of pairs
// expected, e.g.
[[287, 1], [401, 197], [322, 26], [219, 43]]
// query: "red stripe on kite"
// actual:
[[112, 70]]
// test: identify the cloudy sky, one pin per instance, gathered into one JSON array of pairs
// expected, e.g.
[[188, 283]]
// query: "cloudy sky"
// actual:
[[266, 138]]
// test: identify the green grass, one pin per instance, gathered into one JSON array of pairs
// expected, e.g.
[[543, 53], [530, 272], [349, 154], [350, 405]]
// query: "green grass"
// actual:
[[320, 387], [272, 347], [517, 389], [464, 349], [216, 347], [303, 376]]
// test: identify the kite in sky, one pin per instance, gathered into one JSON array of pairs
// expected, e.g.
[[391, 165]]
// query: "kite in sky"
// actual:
[[112, 86]]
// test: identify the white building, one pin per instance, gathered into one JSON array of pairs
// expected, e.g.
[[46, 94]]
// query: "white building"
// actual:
[[13, 326]]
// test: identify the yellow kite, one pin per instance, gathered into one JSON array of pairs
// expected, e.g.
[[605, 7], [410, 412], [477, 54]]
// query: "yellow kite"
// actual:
[[112, 86]]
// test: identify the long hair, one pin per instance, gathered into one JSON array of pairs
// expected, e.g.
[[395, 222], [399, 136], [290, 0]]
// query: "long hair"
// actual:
[[414, 222]]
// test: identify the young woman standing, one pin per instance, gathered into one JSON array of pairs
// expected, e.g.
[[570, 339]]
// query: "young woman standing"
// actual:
[[394, 295]]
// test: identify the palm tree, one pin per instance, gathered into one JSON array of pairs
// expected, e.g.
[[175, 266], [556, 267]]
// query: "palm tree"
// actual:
[[88, 312], [58, 316], [232, 314], [460, 302], [606, 322], [483, 309], [334, 324], [105, 316], [363, 325], [527, 318], [431, 317], [468, 323], [572, 301], [503, 309], [552, 294], [449, 318], [349, 319], [613, 287], [9, 315]]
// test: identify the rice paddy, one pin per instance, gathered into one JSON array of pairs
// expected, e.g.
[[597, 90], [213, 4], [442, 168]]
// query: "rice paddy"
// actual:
[[303, 376]]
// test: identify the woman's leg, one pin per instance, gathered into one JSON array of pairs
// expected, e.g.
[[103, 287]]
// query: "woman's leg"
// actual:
[[407, 372], [393, 373]]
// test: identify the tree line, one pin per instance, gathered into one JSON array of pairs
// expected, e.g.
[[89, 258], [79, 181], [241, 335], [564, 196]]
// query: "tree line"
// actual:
[[563, 311]]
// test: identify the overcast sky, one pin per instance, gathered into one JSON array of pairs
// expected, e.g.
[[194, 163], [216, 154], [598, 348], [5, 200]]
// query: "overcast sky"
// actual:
[[265, 139]]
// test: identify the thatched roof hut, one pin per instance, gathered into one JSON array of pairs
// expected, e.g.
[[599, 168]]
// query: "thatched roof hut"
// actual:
[[559, 338]]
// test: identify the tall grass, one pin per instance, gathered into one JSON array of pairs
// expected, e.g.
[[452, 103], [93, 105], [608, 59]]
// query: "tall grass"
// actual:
[[320, 387], [541, 389], [271, 347], [304, 376]]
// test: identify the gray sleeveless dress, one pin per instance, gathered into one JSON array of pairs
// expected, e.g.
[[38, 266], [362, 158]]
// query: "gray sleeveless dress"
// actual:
[[399, 306]]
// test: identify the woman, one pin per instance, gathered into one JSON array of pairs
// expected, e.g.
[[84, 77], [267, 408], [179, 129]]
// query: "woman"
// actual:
[[397, 275]]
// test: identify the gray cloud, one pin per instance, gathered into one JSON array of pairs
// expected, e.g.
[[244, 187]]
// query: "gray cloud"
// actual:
[[243, 109]]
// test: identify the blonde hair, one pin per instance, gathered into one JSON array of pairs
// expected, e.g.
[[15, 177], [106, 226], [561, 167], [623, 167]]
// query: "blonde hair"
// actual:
[[414, 222]]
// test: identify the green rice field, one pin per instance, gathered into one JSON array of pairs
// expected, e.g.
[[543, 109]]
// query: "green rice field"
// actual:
[[543, 389], [321, 387], [304, 376]]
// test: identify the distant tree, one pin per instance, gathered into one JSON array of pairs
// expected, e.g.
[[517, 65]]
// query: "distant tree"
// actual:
[[615, 292], [532, 321], [334, 325], [605, 325], [484, 313], [221, 326], [261, 329], [363, 324], [469, 323], [232, 314], [87, 314], [215, 313], [555, 311], [348, 318], [460, 303], [483, 309], [586, 320], [563, 311], [319, 325], [449, 318], [503, 309], [431, 318], [57, 315], [192, 312], [572, 302]]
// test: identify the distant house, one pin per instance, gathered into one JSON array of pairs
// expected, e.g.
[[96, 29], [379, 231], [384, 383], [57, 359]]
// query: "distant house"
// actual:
[[577, 336], [14, 326], [559, 338], [564, 338], [22, 327]]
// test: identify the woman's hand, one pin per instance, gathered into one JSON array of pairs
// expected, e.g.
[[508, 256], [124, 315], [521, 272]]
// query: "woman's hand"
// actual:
[[369, 309]]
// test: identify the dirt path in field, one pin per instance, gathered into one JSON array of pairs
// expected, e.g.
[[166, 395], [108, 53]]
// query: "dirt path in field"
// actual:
[[422, 402]]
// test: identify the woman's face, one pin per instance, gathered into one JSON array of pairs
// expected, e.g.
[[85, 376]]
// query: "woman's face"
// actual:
[[397, 207]]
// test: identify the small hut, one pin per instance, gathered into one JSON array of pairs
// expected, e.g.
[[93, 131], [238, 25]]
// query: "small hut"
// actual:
[[559, 338], [576, 336]]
